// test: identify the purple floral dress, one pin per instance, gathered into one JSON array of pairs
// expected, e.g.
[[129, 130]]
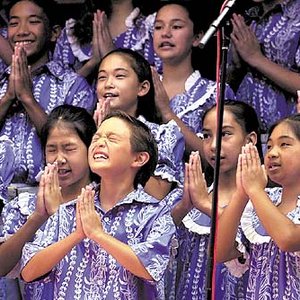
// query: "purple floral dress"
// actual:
[[278, 33]]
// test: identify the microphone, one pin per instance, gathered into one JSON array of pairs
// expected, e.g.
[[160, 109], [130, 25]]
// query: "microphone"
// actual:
[[216, 23]]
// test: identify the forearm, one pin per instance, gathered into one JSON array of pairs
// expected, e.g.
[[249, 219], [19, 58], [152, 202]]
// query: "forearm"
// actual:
[[157, 187], [281, 229], [122, 253], [228, 223], [88, 68], [192, 141], [287, 80], [45, 260], [36, 113], [5, 50], [179, 211], [11, 250], [5, 104]]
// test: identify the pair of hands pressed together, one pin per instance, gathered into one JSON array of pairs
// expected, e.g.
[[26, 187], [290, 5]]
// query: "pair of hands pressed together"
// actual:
[[49, 195], [20, 81], [88, 222], [251, 175]]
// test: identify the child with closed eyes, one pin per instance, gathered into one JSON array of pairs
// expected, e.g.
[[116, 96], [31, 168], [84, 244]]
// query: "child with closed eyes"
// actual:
[[269, 217], [118, 245], [65, 138], [125, 83]]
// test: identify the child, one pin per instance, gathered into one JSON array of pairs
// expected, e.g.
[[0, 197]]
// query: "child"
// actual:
[[125, 83], [182, 94], [103, 26], [118, 247], [271, 217], [28, 94], [240, 126], [65, 139], [264, 61]]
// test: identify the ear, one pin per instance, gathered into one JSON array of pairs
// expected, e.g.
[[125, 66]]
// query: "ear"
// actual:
[[197, 39], [55, 33], [144, 88], [252, 138], [141, 159]]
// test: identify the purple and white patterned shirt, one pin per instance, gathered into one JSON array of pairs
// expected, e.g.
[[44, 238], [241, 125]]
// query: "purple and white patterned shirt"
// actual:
[[138, 37], [278, 33], [52, 86], [88, 271]]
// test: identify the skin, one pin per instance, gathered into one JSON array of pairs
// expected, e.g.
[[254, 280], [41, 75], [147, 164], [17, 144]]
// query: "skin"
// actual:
[[28, 34], [118, 87], [64, 151], [111, 157], [281, 165], [173, 41], [246, 48], [233, 139]]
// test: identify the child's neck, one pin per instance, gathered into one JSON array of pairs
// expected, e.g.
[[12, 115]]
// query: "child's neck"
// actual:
[[120, 11], [289, 199], [174, 78], [111, 193], [226, 188]]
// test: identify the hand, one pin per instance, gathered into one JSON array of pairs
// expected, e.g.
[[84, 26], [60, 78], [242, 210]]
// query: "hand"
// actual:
[[102, 41], [253, 174], [22, 76], [162, 100], [90, 219], [52, 191], [79, 229], [298, 102], [197, 183], [40, 207], [244, 40], [101, 111]]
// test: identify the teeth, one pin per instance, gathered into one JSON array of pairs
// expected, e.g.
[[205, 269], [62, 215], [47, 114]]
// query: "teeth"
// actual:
[[99, 156]]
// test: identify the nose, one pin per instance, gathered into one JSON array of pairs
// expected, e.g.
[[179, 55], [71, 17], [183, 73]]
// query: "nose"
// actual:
[[61, 160], [166, 31], [272, 152], [109, 82], [23, 29], [213, 143]]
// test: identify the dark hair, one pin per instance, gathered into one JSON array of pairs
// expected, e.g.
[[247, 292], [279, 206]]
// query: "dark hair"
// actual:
[[245, 116], [293, 121], [83, 28], [201, 59], [146, 104], [49, 7], [141, 140], [74, 117]]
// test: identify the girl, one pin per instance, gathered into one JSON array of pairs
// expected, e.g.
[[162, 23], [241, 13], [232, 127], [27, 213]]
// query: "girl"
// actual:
[[125, 83], [103, 26], [271, 218], [182, 94], [240, 126], [65, 139], [120, 247], [265, 63]]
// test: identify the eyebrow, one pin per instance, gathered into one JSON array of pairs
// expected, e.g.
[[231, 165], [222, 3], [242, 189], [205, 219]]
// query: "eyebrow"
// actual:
[[30, 16], [283, 137]]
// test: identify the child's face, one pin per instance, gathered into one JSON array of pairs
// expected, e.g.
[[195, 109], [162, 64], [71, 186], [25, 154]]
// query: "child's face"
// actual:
[[118, 83], [28, 25], [173, 33], [66, 148], [110, 151], [233, 138], [282, 156]]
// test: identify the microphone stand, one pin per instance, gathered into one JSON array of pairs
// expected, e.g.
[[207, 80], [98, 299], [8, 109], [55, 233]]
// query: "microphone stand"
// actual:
[[220, 110]]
